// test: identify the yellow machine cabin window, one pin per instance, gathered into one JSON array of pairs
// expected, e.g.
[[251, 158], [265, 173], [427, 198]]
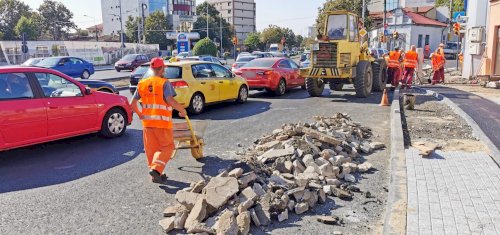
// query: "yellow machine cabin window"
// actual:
[[337, 27]]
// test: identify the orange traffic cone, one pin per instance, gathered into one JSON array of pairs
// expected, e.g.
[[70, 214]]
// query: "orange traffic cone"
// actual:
[[385, 99]]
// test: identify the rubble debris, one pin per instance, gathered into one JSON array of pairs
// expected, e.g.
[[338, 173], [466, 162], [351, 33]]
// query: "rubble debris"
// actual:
[[331, 220], [289, 171], [425, 148]]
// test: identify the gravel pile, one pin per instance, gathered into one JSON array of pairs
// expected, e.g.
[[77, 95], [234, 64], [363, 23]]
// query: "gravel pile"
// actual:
[[290, 170]]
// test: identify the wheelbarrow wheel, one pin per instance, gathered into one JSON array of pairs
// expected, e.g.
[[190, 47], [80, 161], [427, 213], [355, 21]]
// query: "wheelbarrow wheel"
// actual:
[[197, 152]]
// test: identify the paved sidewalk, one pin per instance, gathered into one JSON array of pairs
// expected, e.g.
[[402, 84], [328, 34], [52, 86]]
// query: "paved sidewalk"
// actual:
[[483, 111], [452, 193]]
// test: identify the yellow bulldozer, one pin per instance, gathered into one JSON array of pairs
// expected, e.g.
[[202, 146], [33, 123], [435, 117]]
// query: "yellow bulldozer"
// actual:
[[340, 57]]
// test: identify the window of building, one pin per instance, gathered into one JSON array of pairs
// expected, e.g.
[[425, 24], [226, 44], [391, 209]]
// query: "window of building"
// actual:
[[228, 11], [419, 44], [406, 19], [391, 4], [390, 20], [427, 39]]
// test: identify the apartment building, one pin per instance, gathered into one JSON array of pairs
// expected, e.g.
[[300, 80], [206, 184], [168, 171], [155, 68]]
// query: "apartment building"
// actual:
[[239, 13]]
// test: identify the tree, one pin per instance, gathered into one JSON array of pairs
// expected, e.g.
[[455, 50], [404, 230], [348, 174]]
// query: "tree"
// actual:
[[298, 40], [457, 5], [274, 34], [214, 25], [56, 19], [205, 47], [10, 13], [131, 28], [307, 42], [253, 41], [28, 27], [354, 6], [156, 26]]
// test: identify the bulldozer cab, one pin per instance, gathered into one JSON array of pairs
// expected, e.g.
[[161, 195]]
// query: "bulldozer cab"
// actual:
[[342, 26]]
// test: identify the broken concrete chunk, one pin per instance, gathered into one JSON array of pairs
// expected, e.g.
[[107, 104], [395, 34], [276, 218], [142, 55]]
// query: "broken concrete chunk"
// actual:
[[268, 145], [366, 148], [172, 210], [327, 170], [319, 136], [283, 216], [247, 194], [180, 219], [321, 196], [337, 160], [313, 199], [236, 173], [327, 189], [321, 161], [350, 178], [200, 228], [247, 178], [254, 217], [277, 131], [167, 224], [188, 199], [282, 137], [198, 186], [275, 153], [366, 166], [197, 214], [257, 188], [243, 222], [328, 153], [377, 145], [244, 206], [301, 208], [278, 180], [298, 167], [219, 190], [291, 205], [334, 182], [331, 220], [341, 193], [227, 224]]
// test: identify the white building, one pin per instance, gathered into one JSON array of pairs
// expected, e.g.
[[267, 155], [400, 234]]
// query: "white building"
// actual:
[[239, 13], [178, 12], [413, 29], [477, 15], [311, 32]]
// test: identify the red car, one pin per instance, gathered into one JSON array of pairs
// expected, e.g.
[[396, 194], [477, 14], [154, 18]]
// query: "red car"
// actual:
[[272, 74], [130, 62], [39, 105]]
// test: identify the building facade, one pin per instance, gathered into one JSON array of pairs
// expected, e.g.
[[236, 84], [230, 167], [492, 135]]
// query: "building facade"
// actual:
[[179, 12], [491, 65], [239, 13], [378, 6]]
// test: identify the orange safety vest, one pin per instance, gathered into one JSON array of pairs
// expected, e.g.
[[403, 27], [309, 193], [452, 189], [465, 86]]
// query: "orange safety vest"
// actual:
[[411, 59], [157, 113], [437, 61], [394, 59]]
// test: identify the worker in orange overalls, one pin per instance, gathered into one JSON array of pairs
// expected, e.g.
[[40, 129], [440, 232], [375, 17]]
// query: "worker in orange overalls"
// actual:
[[157, 96], [410, 63], [393, 68], [438, 67]]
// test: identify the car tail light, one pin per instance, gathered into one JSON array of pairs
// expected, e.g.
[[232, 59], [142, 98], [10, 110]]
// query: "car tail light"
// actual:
[[238, 72], [267, 72], [180, 84], [235, 65]]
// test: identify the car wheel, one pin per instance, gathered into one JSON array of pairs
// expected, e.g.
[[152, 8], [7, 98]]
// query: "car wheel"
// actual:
[[242, 95], [281, 89], [197, 104], [85, 74], [117, 70], [114, 123]]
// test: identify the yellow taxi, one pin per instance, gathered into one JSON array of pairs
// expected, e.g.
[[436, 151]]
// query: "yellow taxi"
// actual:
[[201, 83]]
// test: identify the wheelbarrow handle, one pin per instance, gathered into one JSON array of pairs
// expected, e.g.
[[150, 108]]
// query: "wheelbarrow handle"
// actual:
[[193, 135]]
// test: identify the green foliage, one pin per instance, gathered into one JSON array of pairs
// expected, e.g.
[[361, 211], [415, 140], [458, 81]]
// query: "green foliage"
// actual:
[[457, 5], [298, 40], [27, 26], [353, 6], [131, 28], [214, 25], [82, 32], [307, 42], [156, 26], [274, 34], [10, 13], [253, 41], [56, 19], [205, 47]]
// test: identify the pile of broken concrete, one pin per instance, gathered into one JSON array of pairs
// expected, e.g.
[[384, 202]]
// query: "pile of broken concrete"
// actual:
[[291, 170]]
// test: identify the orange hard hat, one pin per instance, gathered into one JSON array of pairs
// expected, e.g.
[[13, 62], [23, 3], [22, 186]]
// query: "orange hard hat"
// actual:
[[157, 63]]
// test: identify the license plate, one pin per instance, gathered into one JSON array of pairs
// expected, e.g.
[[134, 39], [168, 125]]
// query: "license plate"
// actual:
[[249, 74]]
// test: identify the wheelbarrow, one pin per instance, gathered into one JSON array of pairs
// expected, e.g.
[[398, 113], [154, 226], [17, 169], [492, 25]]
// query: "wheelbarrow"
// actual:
[[189, 135]]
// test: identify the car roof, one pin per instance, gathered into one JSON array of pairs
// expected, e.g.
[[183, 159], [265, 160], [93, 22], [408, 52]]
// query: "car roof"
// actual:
[[23, 69]]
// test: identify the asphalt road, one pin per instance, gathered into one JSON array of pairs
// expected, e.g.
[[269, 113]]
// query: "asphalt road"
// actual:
[[91, 185]]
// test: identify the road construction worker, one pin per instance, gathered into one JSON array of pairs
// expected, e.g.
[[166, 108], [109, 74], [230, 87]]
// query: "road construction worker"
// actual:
[[438, 67], [410, 63], [427, 50], [157, 96], [393, 67]]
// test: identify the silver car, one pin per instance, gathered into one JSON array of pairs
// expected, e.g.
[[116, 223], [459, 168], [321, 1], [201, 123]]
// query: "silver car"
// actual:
[[242, 61]]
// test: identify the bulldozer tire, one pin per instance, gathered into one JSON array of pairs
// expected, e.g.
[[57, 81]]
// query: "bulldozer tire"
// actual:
[[363, 83], [314, 87], [336, 86], [379, 69]]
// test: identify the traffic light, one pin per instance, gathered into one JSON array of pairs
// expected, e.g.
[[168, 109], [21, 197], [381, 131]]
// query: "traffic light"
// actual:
[[395, 35], [235, 41], [456, 28]]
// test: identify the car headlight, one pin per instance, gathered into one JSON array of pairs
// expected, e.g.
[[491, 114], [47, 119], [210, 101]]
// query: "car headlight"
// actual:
[[315, 47]]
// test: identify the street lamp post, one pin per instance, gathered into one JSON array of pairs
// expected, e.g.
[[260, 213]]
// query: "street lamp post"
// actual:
[[95, 25], [207, 21]]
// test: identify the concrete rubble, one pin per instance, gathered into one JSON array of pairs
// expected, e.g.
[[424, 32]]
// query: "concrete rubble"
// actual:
[[293, 170]]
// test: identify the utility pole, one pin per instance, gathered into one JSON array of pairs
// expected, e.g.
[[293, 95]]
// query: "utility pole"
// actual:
[[143, 19], [121, 29], [139, 5], [451, 15], [384, 22], [207, 21], [363, 12], [220, 25]]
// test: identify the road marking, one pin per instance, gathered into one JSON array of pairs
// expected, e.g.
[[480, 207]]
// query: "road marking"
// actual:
[[279, 109], [129, 154], [64, 167]]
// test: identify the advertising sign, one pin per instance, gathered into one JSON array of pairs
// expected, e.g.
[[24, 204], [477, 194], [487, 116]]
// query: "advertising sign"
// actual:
[[182, 46]]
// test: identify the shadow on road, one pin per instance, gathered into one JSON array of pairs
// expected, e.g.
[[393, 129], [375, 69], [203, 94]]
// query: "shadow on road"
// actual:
[[296, 93], [66, 160], [227, 111]]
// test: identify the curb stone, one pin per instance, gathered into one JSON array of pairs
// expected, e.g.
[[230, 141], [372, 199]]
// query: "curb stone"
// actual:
[[397, 199], [476, 130]]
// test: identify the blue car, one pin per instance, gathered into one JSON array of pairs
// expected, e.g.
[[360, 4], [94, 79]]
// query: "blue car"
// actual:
[[71, 66]]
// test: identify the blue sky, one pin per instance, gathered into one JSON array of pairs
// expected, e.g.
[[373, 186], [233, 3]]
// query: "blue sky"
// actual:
[[294, 14]]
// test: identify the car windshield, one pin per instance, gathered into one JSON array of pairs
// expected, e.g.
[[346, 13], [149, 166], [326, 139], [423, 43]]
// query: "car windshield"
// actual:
[[140, 70], [49, 62], [337, 27], [260, 63], [183, 54], [451, 46], [171, 72], [129, 57], [245, 59]]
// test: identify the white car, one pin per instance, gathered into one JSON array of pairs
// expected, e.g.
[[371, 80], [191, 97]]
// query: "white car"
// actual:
[[241, 61]]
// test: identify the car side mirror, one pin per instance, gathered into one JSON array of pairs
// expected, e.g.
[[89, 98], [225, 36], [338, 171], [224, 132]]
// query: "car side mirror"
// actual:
[[61, 64], [88, 91]]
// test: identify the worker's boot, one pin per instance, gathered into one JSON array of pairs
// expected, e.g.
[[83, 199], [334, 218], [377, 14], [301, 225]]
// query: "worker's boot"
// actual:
[[156, 177]]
